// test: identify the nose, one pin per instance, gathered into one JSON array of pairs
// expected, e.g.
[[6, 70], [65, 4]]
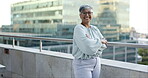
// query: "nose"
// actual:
[[87, 14]]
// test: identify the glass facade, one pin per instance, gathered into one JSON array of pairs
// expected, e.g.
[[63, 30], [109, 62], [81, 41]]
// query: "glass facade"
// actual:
[[110, 16], [39, 15]]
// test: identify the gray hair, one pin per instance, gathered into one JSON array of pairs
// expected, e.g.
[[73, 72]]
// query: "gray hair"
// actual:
[[82, 7]]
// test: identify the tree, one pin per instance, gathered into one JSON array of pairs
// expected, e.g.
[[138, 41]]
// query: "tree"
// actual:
[[144, 54]]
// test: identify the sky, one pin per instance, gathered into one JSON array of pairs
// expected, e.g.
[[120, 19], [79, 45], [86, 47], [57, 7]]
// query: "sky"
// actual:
[[138, 14]]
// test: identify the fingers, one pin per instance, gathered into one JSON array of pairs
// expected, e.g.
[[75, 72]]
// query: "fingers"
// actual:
[[104, 41]]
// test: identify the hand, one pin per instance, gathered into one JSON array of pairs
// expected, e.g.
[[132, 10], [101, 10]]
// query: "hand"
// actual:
[[104, 41]]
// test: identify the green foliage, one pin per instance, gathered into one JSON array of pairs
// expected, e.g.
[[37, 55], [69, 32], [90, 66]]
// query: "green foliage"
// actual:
[[144, 63], [145, 58], [144, 53]]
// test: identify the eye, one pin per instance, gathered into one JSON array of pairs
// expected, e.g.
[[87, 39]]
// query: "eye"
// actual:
[[89, 13]]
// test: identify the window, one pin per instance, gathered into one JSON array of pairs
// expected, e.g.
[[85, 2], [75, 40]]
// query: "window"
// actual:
[[57, 20], [44, 21], [42, 5]]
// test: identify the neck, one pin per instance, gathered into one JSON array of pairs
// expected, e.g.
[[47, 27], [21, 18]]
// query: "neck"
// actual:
[[87, 25]]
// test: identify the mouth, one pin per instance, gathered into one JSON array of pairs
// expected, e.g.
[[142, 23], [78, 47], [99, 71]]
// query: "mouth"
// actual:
[[87, 18]]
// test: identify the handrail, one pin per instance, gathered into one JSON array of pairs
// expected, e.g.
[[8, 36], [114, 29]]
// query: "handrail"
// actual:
[[136, 45], [39, 38]]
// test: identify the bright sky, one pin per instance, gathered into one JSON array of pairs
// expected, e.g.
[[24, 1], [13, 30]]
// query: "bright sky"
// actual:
[[5, 8], [138, 14]]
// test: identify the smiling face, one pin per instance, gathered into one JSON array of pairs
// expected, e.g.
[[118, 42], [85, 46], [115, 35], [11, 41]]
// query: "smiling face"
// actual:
[[86, 15]]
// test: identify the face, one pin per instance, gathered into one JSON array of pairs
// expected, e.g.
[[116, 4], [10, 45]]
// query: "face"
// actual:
[[86, 15]]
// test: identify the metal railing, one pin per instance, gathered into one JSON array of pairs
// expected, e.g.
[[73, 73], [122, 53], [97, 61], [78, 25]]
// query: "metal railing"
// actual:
[[70, 40], [113, 44], [36, 38]]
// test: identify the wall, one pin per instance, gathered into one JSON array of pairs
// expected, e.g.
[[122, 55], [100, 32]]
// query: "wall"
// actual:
[[24, 62]]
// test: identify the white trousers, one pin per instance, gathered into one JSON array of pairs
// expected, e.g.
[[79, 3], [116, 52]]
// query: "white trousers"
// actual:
[[87, 68]]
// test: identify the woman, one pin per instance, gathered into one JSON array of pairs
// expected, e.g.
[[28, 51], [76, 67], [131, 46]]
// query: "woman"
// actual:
[[88, 44]]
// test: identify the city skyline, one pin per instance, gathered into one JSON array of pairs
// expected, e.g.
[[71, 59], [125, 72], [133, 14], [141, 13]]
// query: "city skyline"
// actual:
[[139, 24]]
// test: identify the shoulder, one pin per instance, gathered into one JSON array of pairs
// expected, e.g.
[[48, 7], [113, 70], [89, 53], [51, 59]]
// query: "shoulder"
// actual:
[[94, 27], [79, 26]]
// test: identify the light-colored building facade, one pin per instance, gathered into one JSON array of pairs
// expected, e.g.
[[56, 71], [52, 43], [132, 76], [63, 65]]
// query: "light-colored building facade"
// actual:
[[42, 16]]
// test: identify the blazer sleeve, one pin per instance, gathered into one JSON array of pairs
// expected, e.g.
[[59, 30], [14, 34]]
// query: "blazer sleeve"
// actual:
[[85, 44]]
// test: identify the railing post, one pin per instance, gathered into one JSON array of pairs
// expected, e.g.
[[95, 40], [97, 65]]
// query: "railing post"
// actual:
[[13, 42], [40, 45], [136, 56], [68, 49], [125, 54], [7, 42], [114, 54], [18, 43], [48, 48]]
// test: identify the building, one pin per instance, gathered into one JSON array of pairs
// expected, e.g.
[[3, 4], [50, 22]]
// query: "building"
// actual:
[[65, 30], [6, 28], [142, 41], [114, 13], [110, 32], [133, 34], [46, 17], [42, 16]]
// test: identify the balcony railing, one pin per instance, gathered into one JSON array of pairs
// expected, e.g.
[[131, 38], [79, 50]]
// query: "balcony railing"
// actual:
[[18, 60], [127, 52]]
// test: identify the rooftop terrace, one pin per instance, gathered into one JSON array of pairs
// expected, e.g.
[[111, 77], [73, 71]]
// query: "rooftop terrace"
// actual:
[[25, 62]]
